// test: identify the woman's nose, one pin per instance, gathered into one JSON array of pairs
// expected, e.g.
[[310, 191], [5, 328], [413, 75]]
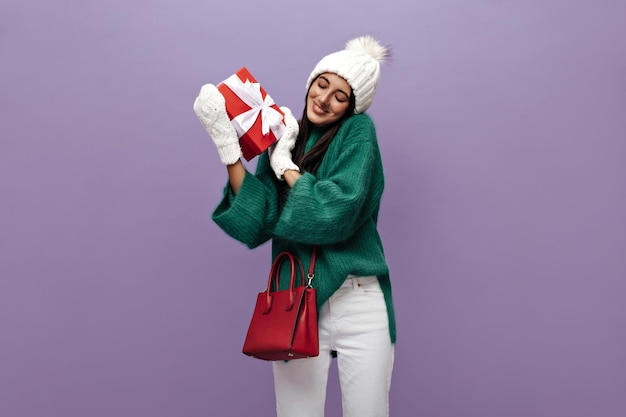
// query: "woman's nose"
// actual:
[[324, 98]]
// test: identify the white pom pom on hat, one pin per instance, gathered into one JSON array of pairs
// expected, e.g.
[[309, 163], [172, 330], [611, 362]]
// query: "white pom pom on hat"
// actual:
[[359, 64]]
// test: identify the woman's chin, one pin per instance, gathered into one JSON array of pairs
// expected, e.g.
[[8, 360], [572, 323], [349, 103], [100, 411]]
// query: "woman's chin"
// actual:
[[316, 119]]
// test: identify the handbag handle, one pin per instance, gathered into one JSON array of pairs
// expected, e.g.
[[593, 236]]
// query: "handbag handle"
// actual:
[[275, 276], [275, 273]]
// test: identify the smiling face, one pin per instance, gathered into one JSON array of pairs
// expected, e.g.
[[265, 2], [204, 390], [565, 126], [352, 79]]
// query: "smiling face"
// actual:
[[328, 99]]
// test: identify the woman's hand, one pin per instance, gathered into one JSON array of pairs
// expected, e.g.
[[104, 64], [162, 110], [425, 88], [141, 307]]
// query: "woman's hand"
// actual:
[[291, 177], [280, 152], [210, 108]]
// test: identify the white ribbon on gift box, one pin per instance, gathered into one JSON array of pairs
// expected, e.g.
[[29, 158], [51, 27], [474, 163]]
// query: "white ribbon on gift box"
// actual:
[[250, 93]]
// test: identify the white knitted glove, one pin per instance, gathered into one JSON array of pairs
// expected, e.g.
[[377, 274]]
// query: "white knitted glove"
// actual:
[[210, 107], [280, 152]]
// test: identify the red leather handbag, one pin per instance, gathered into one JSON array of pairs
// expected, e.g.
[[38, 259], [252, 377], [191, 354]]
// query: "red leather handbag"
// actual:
[[284, 322]]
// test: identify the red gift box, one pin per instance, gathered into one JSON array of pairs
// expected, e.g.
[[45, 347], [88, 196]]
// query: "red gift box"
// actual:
[[257, 119]]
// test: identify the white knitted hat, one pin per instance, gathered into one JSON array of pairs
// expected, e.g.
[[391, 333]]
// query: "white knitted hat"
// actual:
[[359, 64]]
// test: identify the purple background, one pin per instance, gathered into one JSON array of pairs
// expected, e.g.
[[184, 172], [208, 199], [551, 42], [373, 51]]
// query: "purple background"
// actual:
[[502, 126]]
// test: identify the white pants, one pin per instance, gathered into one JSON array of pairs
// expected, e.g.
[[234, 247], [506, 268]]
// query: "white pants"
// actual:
[[354, 323]]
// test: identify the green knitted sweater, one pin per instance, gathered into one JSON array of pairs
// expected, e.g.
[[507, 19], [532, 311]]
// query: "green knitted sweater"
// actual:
[[336, 210]]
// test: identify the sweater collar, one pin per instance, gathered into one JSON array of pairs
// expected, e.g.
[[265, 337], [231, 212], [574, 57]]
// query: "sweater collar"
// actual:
[[316, 133]]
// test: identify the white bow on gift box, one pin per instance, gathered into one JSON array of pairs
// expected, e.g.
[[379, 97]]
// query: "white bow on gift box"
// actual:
[[250, 93]]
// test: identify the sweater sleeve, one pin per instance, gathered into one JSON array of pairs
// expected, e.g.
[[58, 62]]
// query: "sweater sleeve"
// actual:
[[330, 209], [250, 216]]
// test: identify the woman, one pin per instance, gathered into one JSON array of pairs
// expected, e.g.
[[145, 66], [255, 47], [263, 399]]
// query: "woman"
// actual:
[[321, 184]]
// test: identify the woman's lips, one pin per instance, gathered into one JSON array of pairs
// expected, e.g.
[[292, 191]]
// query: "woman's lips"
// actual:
[[318, 110]]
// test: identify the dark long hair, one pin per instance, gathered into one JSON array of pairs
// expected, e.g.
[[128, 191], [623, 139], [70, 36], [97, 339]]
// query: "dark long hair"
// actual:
[[311, 160]]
